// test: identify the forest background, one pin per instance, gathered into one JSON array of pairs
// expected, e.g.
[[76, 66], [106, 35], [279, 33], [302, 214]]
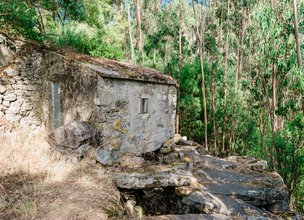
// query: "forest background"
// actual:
[[238, 64]]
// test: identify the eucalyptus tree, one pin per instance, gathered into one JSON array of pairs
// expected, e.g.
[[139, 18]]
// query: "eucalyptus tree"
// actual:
[[200, 27], [225, 78]]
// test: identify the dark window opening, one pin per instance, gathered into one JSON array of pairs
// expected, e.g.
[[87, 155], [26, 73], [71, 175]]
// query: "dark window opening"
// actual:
[[143, 106]]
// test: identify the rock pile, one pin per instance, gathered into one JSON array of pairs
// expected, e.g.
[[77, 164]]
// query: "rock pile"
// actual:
[[201, 185]]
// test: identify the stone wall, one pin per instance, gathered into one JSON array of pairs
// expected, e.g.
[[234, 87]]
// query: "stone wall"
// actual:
[[123, 127], [18, 87], [26, 76]]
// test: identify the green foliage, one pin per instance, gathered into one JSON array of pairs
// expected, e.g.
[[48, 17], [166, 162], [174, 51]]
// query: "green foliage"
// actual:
[[99, 49], [84, 43], [291, 145], [69, 38], [18, 18], [191, 101]]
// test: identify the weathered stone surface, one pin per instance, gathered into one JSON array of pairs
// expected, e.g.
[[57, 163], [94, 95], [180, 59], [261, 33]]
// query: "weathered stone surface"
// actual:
[[20, 93], [131, 161], [230, 178], [82, 150], [72, 135], [168, 147], [30, 122], [205, 202], [2, 89], [15, 107], [154, 180], [252, 195], [10, 72], [3, 108], [124, 128], [10, 97], [208, 174], [188, 151], [278, 207], [26, 107], [184, 190], [166, 150], [251, 163], [6, 103], [106, 157], [189, 217], [12, 117], [24, 87]]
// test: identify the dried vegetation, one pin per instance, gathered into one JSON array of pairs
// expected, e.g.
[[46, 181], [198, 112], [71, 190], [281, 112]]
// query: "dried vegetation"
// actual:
[[38, 184]]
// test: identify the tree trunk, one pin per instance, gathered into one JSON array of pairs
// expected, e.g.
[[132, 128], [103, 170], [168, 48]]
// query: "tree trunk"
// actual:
[[154, 56], [130, 34], [272, 3], [225, 79], [238, 74], [179, 66], [274, 115], [204, 97], [262, 129], [213, 95], [297, 32], [241, 43], [200, 36], [165, 56], [138, 16], [155, 30], [40, 22]]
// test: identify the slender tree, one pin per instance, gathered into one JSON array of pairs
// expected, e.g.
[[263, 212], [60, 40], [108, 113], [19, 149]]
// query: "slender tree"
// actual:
[[180, 60], [200, 37], [225, 78], [138, 17], [295, 9], [130, 34]]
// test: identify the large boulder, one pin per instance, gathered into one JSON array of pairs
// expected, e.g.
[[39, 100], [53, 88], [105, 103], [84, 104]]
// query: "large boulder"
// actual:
[[74, 135]]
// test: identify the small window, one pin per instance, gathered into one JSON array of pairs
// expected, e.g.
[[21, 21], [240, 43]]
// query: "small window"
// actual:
[[143, 106]]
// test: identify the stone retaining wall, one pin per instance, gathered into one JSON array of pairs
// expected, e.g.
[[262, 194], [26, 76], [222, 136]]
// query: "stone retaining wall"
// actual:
[[18, 87]]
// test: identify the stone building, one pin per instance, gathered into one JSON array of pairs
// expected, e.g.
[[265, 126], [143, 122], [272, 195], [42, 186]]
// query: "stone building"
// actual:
[[133, 107]]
